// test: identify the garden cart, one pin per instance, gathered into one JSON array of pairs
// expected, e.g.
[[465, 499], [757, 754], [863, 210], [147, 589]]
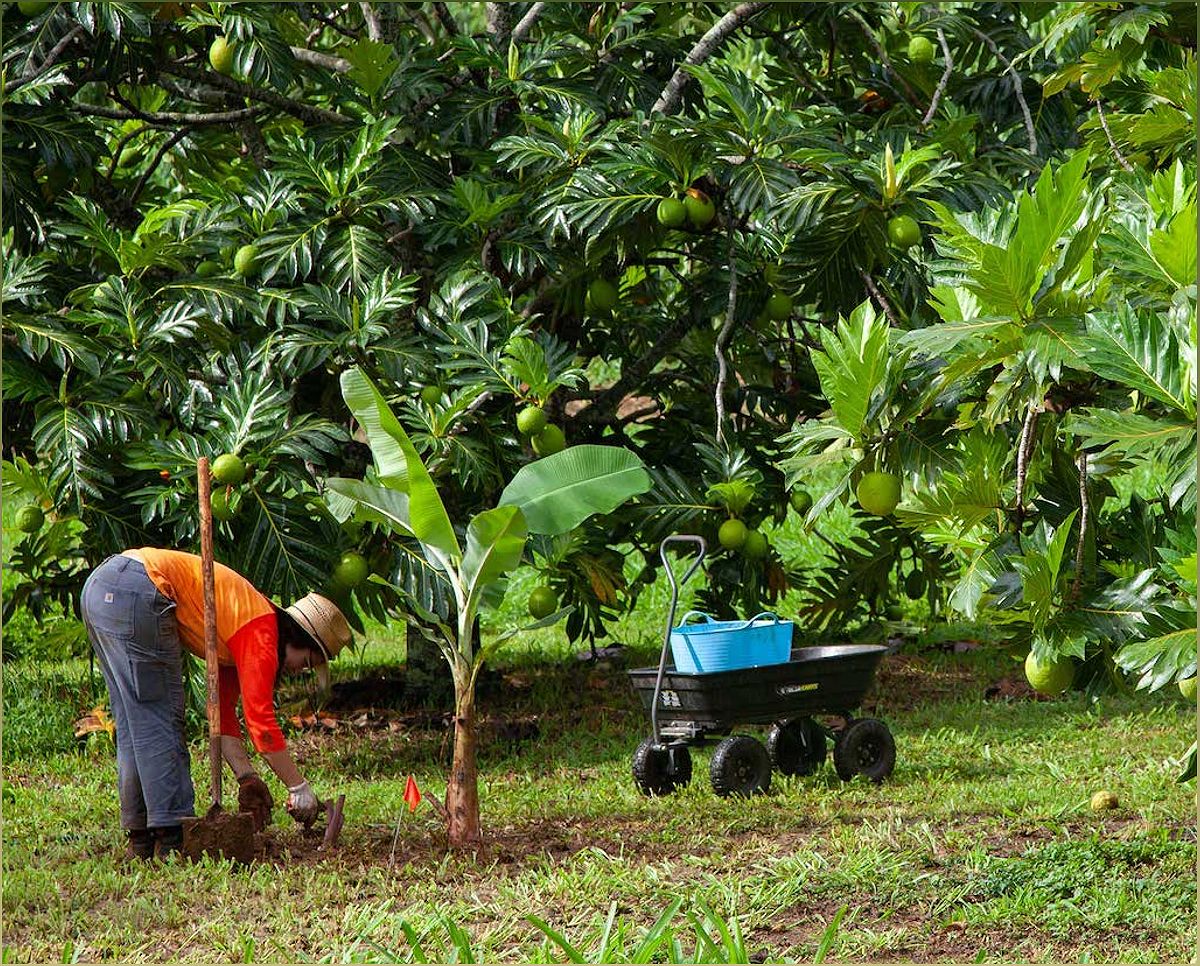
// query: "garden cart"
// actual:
[[689, 702]]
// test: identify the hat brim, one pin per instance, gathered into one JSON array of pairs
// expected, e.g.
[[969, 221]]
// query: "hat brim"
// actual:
[[324, 623]]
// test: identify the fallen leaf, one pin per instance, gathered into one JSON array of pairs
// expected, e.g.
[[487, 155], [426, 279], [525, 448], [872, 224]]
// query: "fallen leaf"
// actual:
[[95, 721]]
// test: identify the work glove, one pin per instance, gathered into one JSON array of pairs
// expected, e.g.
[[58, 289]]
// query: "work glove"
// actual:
[[303, 804], [254, 797]]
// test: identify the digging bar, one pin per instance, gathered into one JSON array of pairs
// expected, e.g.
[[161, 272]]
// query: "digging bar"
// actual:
[[226, 834], [212, 672]]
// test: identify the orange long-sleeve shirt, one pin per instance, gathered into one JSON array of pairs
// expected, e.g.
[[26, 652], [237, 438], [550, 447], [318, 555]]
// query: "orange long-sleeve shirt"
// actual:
[[247, 638]]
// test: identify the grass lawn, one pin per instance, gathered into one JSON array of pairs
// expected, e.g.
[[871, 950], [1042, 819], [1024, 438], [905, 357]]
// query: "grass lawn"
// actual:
[[981, 847]]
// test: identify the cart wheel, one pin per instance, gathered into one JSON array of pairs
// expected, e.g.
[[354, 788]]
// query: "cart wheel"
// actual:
[[864, 747], [740, 766], [796, 747], [659, 770]]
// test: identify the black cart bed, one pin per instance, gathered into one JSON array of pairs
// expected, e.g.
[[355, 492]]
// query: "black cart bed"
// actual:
[[817, 680]]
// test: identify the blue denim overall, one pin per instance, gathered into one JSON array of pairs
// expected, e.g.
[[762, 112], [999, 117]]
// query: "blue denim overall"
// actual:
[[132, 629]]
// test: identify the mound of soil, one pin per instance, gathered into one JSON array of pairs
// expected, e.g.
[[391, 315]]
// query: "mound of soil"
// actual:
[[229, 835]]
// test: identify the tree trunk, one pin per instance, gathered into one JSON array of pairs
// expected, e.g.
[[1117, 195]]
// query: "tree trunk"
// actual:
[[462, 792]]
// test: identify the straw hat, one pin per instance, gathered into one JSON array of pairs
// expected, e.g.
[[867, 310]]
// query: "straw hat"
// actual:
[[326, 625]]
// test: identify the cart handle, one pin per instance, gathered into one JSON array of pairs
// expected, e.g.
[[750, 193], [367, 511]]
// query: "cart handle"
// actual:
[[702, 546], [708, 619]]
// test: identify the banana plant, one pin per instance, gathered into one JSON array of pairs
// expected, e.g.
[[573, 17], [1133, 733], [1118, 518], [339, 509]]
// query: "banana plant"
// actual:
[[551, 496]]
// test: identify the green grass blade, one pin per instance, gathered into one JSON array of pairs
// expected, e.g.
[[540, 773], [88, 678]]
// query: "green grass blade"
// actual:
[[657, 935], [829, 937], [573, 954]]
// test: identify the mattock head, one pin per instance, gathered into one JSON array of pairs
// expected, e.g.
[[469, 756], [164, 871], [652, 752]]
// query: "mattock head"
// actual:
[[334, 820]]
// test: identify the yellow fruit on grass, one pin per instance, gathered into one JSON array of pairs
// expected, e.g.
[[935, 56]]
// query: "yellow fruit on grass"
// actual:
[[732, 534], [228, 470], [878, 493], [1104, 800], [1049, 677], [542, 603], [1187, 687]]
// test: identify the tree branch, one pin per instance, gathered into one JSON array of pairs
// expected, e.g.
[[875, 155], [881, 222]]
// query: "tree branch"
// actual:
[[945, 79], [1024, 452], [374, 28], [256, 144], [118, 148], [1016, 86], [723, 336], [422, 24], [879, 298], [446, 19], [332, 24], [305, 112], [157, 160], [51, 59], [650, 409], [606, 402], [214, 98], [317, 59], [1121, 159], [882, 55], [672, 94], [1085, 513], [525, 24], [169, 119], [498, 23], [425, 103]]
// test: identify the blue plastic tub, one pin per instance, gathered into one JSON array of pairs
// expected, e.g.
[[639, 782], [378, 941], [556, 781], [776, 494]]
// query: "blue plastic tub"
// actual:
[[729, 645]]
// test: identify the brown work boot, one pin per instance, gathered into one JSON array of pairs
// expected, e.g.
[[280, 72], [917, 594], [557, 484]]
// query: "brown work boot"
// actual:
[[168, 841], [140, 845]]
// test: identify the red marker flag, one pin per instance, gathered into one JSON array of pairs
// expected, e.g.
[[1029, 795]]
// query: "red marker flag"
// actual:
[[412, 794]]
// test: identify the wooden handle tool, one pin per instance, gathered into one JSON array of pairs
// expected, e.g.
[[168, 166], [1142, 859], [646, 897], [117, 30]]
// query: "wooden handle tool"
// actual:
[[213, 703]]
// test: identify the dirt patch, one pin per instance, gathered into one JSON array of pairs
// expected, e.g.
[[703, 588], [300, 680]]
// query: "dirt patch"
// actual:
[[1017, 840], [509, 847], [1012, 689], [906, 681], [229, 835], [917, 938]]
